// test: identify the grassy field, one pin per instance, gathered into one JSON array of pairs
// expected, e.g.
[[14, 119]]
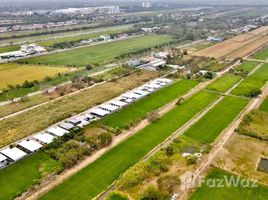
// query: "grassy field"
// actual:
[[262, 55], [21, 73], [40, 118], [231, 193], [9, 48], [256, 80], [264, 105], [224, 83], [247, 66], [255, 124], [80, 37], [140, 109], [208, 128], [103, 53], [18, 177], [96, 177]]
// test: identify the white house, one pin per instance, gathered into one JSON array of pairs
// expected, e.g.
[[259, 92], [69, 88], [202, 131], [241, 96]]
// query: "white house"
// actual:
[[30, 145], [14, 153], [44, 138], [109, 107], [99, 112], [57, 131], [3, 161]]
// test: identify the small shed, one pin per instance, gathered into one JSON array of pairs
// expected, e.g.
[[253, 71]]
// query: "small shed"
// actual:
[[30, 145], [57, 131], [14, 153], [44, 138]]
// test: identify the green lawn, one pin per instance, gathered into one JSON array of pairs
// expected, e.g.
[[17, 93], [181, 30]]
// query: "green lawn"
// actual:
[[95, 178], [100, 53], [229, 192], [247, 66], [262, 55], [224, 83], [256, 80], [264, 105], [140, 109], [208, 128], [18, 177]]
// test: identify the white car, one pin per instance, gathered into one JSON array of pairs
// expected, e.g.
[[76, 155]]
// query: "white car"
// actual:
[[174, 197]]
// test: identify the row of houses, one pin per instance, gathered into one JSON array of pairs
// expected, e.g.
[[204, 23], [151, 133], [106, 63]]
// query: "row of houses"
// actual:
[[32, 144]]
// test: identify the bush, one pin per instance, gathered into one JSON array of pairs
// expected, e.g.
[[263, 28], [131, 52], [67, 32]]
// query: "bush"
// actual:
[[167, 183], [169, 151], [153, 116], [104, 139], [254, 92]]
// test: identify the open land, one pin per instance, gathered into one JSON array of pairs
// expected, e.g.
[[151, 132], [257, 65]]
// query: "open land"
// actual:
[[213, 123], [238, 46], [17, 178], [232, 192], [20, 73], [254, 81]]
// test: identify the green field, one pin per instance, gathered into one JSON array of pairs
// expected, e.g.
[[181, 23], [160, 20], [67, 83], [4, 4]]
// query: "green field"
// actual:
[[95, 178], [21, 73], [9, 48], [103, 53], [139, 110], [247, 66], [256, 80], [229, 192], [18, 177], [264, 105], [208, 128], [80, 37], [262, 55], [224, 83]]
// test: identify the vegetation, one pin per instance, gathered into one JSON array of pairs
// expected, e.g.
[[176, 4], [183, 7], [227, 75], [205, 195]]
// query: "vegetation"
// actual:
[[218, 118], [9, 48], [253, 82], [262, 55], [139, 110], [117, 160], [20, 176], [264, 105], [224, 83], [255, 124], [22, 73], [100, 54], [247, 66], [232, 192]]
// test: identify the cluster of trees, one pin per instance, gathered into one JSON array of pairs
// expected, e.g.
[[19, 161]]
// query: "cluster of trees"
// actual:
[[74, 146]]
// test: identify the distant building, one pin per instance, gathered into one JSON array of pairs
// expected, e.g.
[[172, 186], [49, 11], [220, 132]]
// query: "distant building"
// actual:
[[105, 37], [146, 4], [214, 39], [150, 30], [32, 48]]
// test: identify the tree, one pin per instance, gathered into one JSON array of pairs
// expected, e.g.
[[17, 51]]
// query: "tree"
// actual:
[[153, 116], [254, 92], [180, 101], [105, 139], [151, 193], [169, 151], [89, 67], [168, 183], [208, 75]]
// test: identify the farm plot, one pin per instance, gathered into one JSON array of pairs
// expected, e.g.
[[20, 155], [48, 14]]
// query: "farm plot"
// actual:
[[209, 127], [100, 174], [16, 178], [138, 110], [21, 73], [264, 105], [224, 83], [32, 121], [207, 191], [262, 55], [103, 53], [9, 48], [238, 46], [247, 66], [255, 81]]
